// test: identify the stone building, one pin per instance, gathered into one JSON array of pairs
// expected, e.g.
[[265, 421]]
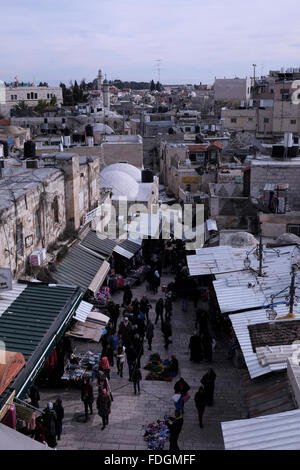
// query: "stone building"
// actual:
[[234, 90], [37, 205], [12, 94], [122, 149]]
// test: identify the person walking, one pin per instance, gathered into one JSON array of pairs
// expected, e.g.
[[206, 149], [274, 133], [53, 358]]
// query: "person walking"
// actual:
[[168, 308], [159, 309], [145, 307], [60, 413], [87, 396], [131, 359], [182, 387], [167, 332], [121, 358], [34, 396], [208, 382], [207, 346], [195, 347], [50, 420], [39, 433], [103, 406], [127, 296], [175, 426], [200, 401], [136, 378], [104, 365], [149, 333], [125, 332], [156, 281]]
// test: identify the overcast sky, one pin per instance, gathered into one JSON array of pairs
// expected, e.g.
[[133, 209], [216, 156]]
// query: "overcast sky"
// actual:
[[196, 40]]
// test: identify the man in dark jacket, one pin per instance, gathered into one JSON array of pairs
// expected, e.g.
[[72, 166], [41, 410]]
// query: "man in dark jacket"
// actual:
[[87, 396], [167, 332], [208, 381], [175, 426], [200, 401], [145, 306], [159, 309], [136, 378], [50, 420], [149, 333], [60, 413]]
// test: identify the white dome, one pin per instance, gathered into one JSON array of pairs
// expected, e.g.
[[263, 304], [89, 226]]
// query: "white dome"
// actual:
[[242, 240], [287, 238], [100, 128], [125, 168], [121, 183]]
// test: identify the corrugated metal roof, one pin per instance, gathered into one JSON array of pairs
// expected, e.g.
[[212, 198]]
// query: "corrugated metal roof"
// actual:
[[274, 432], [83, 311], [7, 297], [121, 251], [216, 260], [240, 322], [78, 268], [103, 246], [128, 248], [233, 292]]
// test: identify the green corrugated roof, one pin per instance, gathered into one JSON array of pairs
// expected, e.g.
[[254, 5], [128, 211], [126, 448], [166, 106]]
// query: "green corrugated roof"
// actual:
[[25, 323], [31, 322]]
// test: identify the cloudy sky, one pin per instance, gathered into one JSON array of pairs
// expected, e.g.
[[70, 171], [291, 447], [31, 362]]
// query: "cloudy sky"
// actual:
[[196, 40]]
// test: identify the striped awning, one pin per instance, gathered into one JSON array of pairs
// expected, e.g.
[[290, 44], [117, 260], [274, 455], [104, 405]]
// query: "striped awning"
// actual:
[[83, 311]]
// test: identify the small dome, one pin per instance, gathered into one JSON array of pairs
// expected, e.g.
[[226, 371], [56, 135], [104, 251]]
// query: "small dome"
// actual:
[[287, 239], [126, 168], [120, 183], [242, 240]]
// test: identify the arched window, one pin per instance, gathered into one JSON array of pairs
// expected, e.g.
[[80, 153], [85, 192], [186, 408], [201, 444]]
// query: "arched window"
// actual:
[[55, 209]]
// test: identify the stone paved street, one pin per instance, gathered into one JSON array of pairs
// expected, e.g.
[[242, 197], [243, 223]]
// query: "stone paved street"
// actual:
[[130, 414]]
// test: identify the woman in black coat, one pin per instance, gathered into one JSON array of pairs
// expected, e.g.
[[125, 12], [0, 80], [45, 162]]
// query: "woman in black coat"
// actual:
[[103, 405]]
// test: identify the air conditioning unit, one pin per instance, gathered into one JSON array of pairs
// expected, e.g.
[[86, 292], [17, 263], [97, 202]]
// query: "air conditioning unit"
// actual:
[[32, 163], [37, 257]]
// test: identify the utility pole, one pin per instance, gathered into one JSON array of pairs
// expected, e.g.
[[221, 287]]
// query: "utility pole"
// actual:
[[253, 65]]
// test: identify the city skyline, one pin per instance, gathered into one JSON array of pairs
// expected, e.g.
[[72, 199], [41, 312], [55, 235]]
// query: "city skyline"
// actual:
[[195, 41]]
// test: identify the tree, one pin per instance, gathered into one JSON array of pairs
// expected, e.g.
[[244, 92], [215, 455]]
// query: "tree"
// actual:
[[53, 101], [43, 84], [67, 95], [21, 110], [152, 86], [158, 87], [76, 93], [42, 104]]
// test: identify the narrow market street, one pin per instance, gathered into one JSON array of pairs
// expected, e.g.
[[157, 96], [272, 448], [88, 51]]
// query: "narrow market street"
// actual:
[[130, 414]]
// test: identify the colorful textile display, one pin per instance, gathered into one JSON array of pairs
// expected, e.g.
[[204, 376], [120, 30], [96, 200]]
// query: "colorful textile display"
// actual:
[[158, 370], [156, 435]]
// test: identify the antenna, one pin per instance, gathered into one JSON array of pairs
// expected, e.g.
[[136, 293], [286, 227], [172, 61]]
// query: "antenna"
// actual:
[[253, 65], [158, 68]]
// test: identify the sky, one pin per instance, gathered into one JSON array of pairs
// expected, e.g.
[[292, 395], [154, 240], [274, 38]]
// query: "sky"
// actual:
[[195, 40]]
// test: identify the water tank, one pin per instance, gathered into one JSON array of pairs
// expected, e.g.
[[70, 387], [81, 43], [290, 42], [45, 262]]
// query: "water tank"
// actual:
[[29, 149], [147, 176], [89, 131], [32, 163], [5, 148]]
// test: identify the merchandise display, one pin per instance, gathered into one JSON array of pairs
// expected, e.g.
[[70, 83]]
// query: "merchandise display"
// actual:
[[156, 435]]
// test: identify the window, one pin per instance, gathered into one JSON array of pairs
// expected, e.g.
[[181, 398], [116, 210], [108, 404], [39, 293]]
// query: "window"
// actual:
[[233, 119], [55, 209], [37, 224], [28, 96], [250, 119], [31, 95], [35, 96], [48, 95], [266, 120], [16, 97], [293, 121], [293, 228], [19, 239], [11, 97], [187, 129]]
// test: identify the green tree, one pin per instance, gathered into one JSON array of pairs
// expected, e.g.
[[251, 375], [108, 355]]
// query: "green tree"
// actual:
[[42, 104], [152, 86], [76, 93], [43, 84], [21, 110], [158, 87], [53, 101]]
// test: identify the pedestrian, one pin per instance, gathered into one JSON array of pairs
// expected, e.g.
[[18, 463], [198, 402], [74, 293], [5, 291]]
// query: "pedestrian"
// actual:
[[159, 309], [200, 401], [34, 396], [50, 420], [114, 342], [104, 366], [182, 387], [103, 405], [125, 332], [120, 358], [195, 347], [60, 413], [39, 433], [109, 353], [149, 333], [174, 366], [136, 378], [131, 359], [127, 296], [168, 307], [208, 381], [175, 426], [114, 315], [145, 306], [156, 281], [167, 332], [207, 346], [87, 396]]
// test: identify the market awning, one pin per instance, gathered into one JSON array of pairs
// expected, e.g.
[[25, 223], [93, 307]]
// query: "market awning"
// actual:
[[129, 247], [91, 329], [81, 267], [125, 253], [99, 278], [14, 440], [103, 246], [83, 310], [10, 365]]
